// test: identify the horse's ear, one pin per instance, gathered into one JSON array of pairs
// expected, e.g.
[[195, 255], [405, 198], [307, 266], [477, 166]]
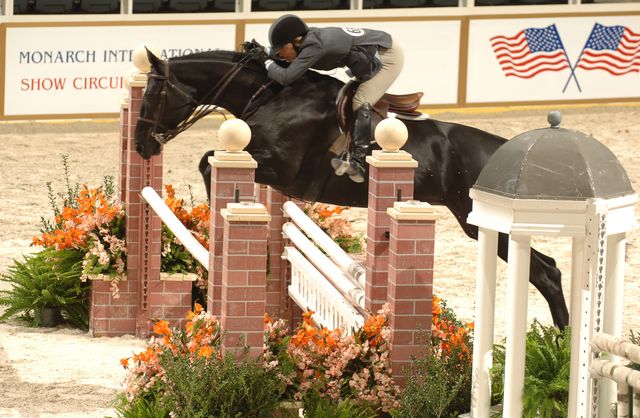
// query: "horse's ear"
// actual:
[[156, 63]]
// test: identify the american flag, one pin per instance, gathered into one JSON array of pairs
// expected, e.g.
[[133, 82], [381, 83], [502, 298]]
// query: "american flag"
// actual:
[[614, 49], [530, 52]]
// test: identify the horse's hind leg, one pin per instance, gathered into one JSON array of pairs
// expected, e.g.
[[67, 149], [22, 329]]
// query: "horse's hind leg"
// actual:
[[546, 277], [543, 273]]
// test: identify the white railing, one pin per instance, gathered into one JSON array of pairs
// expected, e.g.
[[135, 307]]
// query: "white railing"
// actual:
[[173, 223], [324, 278], [627, 379], [352, 268], [332, 273], [310, 290]]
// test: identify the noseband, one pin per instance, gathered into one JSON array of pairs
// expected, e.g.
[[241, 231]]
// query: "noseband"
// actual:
[[200, 107]]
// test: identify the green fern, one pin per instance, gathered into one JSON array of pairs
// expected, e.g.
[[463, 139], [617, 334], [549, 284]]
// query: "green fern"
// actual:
[[546, 384], [49, 278], [316, 406]]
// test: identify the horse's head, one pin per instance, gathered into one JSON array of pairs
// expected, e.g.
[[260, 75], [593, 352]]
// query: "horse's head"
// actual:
[[166, 104]]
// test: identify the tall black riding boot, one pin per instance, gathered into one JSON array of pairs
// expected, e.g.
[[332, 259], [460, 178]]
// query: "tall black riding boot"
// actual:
[[360, 141], [352, 162]]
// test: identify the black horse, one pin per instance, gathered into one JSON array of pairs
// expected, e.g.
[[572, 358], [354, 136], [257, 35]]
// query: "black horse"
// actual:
[[293, 129]]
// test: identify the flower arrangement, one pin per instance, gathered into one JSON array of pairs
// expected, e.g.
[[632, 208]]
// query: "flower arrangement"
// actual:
[[339, 228], [92, 222], [333, 364], [200, 338], [176, 258], [449, 336], [182, 372]]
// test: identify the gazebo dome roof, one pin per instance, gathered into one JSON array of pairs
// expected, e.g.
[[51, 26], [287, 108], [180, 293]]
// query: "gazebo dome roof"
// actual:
[[556, 164]]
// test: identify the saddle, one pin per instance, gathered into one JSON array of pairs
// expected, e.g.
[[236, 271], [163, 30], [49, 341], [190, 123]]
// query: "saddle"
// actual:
[[402, 104]]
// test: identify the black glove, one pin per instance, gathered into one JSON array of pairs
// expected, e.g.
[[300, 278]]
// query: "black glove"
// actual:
[[256, 51]]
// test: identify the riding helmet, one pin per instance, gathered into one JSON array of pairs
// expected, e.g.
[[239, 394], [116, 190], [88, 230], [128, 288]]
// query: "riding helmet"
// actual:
[[285, 29]]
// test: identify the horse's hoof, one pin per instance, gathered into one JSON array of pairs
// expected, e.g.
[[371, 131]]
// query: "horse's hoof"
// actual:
[[357, 178]]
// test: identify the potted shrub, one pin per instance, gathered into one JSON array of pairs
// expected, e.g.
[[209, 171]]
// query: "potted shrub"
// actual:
[[46, 287]]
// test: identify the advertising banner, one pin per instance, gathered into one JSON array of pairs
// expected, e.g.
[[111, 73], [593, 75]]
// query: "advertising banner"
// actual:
[[76, 70], [553, 59]]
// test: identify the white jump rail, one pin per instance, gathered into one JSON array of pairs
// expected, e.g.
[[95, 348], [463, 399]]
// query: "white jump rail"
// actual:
[[332, 273], [310, 289], [355, 270], [173, 223], [624, 376]]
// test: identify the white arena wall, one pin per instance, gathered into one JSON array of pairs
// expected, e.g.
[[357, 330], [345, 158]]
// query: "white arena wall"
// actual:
[[71, 66]]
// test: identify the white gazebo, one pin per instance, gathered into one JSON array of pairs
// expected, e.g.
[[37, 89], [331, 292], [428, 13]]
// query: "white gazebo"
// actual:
[[552, 182]]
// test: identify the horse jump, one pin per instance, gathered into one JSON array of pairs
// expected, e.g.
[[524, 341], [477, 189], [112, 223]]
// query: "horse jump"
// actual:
[[145, 297]]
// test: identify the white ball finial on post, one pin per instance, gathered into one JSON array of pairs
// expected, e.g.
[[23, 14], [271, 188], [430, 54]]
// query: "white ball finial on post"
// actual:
[[391, 134], [139, 57], [234, 135]]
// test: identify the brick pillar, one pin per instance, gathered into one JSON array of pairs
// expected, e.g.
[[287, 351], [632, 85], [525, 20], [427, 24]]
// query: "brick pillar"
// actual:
[[170, 298], [124, 144], [144, 228], [109, 316], [410, 288], [244, 274], [229, 171], [277, 303], [389, 171]]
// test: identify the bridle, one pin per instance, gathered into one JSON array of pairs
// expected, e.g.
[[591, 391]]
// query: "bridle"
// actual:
[[200, 107]]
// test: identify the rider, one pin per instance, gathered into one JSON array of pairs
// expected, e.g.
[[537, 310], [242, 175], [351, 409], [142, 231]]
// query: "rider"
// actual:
[[372, 57]]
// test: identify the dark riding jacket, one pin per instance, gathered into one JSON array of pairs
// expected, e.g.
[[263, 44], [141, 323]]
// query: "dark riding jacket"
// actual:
[[329, 48]]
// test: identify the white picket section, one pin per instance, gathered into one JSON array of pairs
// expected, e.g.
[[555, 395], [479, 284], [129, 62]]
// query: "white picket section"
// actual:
[[332, 273], [353, 269], [310, 290]]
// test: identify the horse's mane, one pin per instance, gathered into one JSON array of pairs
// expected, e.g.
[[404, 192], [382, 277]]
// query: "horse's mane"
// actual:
[[323, 81], [213, 55]]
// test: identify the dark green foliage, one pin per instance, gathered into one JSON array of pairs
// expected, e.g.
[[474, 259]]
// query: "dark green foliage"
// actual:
[[437, 387], [175, 258], [350, 244], [141, 407], [439, 380], [215, 388], [546, 385], [316, 406], [49, 278]]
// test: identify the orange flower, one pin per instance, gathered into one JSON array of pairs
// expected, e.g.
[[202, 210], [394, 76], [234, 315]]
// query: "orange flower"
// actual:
[[437, 307], [124, 362], [205, 351], [162, 327]]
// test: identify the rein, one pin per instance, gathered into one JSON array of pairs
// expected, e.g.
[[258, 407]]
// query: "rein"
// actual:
[[200, 108]]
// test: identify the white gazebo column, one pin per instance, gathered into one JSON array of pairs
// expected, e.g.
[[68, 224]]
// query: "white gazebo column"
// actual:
[[484, 322], [612, 318], [614, 284], [578, 320], [516, 322]]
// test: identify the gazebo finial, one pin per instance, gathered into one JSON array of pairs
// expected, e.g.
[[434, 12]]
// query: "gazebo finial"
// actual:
[[554, 118]]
